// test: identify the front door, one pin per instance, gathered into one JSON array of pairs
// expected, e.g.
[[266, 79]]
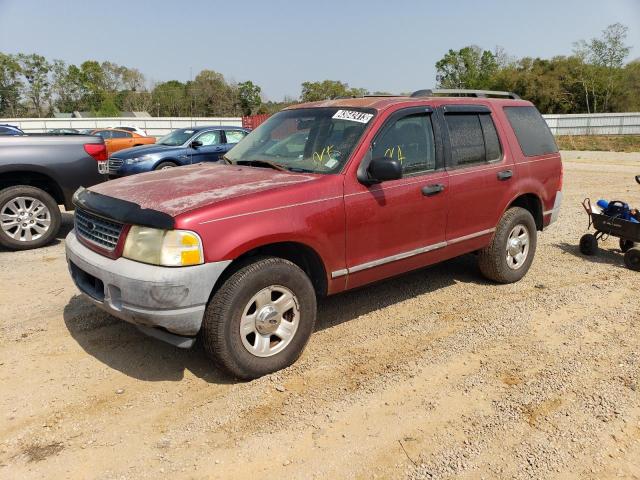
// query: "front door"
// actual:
[[211, 149], [398, 225]]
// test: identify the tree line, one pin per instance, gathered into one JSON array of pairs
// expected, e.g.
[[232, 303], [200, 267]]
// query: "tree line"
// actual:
[[594, 78]]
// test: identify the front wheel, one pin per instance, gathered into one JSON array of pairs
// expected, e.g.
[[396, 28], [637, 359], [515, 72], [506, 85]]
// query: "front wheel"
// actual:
[[260, 319], [509, 255], [589, 244], [165, 165]]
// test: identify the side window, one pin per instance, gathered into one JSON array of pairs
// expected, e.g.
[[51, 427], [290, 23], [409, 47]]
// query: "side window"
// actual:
[[117, 134], [234, 136], [210, 138], [531, 130], [409, 140], [473, 138], [105, 134]]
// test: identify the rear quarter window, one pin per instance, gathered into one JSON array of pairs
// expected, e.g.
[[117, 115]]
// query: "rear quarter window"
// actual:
[[531, 130]]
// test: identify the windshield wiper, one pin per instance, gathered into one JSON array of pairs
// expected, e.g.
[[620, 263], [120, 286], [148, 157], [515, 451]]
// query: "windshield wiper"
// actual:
[[261, 163]]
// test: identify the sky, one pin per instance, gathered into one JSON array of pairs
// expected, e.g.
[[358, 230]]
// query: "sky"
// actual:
[[390, 45]]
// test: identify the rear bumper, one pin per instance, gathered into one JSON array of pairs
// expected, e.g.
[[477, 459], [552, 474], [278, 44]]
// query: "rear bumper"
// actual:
[[173, 299], [550, 216]]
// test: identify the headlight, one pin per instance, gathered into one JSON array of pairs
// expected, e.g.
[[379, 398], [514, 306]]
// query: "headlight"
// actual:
[[169, 248], [131, 161]]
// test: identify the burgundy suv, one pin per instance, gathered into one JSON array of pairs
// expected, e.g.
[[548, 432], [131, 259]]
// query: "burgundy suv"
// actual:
[[321, 198]]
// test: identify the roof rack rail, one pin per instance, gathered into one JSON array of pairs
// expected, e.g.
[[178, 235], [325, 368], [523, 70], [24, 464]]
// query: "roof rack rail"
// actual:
[[463, 91]]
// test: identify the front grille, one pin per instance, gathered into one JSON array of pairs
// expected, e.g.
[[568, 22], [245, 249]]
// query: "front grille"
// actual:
[[115, 164], [97, 230]]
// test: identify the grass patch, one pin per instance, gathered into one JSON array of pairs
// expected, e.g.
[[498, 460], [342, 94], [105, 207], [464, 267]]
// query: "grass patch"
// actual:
[[600, 143]]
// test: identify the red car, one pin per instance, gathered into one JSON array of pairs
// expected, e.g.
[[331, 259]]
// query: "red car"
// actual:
[[321, 198]]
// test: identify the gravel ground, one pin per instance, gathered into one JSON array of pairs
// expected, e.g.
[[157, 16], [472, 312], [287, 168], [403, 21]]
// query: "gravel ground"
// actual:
[[437, 374]]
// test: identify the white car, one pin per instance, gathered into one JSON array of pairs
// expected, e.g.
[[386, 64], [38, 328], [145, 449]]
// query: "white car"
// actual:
[[130, 128]]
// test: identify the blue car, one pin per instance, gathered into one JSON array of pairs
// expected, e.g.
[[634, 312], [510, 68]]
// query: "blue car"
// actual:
[[181, 147], [6, 129]]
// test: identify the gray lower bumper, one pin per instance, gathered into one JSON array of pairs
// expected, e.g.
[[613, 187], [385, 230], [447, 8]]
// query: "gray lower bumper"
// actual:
[[145, 295]]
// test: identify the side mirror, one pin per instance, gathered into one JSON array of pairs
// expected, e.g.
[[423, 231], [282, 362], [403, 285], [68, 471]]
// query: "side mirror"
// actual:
[[196, 144], [383, 169]]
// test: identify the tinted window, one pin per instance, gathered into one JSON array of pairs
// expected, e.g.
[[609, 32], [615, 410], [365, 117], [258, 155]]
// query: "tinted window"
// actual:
[[409, 140], [234, 136], [104, 133], [532, 131], [474, 138], [209, 138], [467, 141], [117, 134], [491, 142]]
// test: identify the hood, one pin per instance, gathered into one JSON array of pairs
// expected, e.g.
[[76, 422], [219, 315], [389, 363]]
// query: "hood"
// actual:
[[134, 152], [178, 190]]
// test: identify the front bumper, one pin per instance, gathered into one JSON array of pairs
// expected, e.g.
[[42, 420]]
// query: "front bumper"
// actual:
[[172, 298]]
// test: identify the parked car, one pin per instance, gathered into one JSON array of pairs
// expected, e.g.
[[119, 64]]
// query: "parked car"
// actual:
[[130, 128], [238, 253], [181, 147], [116, 140], [6, 129], [64, 131], [38, 173]]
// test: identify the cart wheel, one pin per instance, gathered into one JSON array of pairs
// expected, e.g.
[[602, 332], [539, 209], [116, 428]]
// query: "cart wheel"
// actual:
[[625, 245], [589, 244], [632, 259]]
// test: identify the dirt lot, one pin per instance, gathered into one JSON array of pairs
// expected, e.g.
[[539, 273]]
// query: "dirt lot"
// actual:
[[437, 374]]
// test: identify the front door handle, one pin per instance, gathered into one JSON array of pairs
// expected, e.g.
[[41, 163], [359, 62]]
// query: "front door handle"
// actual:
[[432, 189], [505, 175]]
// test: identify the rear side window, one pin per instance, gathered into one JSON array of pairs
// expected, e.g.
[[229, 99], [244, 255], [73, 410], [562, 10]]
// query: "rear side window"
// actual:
[[117, 134], [531, 130], [473, 138]]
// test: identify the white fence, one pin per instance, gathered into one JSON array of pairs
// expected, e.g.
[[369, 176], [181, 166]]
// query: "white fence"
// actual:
[[578, 124], [594, 124], [153, 126]]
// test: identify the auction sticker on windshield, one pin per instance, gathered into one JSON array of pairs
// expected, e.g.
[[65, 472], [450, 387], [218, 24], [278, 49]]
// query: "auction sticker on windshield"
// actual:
[[353, 116]]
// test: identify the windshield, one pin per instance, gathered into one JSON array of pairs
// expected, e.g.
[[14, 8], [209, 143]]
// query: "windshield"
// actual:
[[177, 137], [317, 140]]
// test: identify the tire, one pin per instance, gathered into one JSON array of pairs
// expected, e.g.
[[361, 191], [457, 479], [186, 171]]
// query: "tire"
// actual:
[[165, 165], [39, 228], [632, 259], [502, 264], [240, 301], [589, 244], [625, 245]]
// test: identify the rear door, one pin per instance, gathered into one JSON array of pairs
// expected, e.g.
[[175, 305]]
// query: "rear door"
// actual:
[[120, 140], [481, 172], [398, 225]]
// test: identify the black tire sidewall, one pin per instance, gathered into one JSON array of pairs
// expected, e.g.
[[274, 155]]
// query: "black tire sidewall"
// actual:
[[588, 244], [39, 194], [519, 216], [229, 306], [632, 259]]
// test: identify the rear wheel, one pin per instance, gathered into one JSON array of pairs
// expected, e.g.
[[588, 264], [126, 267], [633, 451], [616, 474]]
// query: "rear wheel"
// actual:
[[165, 165], [260, 319], [632, 259], [589, 244], [509, 255], [625, 245], [29, 217]]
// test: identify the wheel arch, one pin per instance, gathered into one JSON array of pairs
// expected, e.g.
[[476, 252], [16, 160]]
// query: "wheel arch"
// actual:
[[33, 179], [533, 204], [298, 253]]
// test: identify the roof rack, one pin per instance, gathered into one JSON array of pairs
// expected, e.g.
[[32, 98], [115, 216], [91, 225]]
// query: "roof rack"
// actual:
[[461, 91]]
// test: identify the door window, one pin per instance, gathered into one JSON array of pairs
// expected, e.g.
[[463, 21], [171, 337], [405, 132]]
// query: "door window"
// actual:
[[409, 140], [118, 134], [234, 136], [473, 138], [209, 138]]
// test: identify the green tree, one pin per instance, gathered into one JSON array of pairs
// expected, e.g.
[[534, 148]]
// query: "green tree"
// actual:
[[170, 99], [67, 87], [249, 97], [211, 95], [470, 67], [10, 86], [327, 90], [35, 70]]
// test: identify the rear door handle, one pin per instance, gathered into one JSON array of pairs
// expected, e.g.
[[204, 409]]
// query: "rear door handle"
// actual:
[[432, 189], [505, 175]]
